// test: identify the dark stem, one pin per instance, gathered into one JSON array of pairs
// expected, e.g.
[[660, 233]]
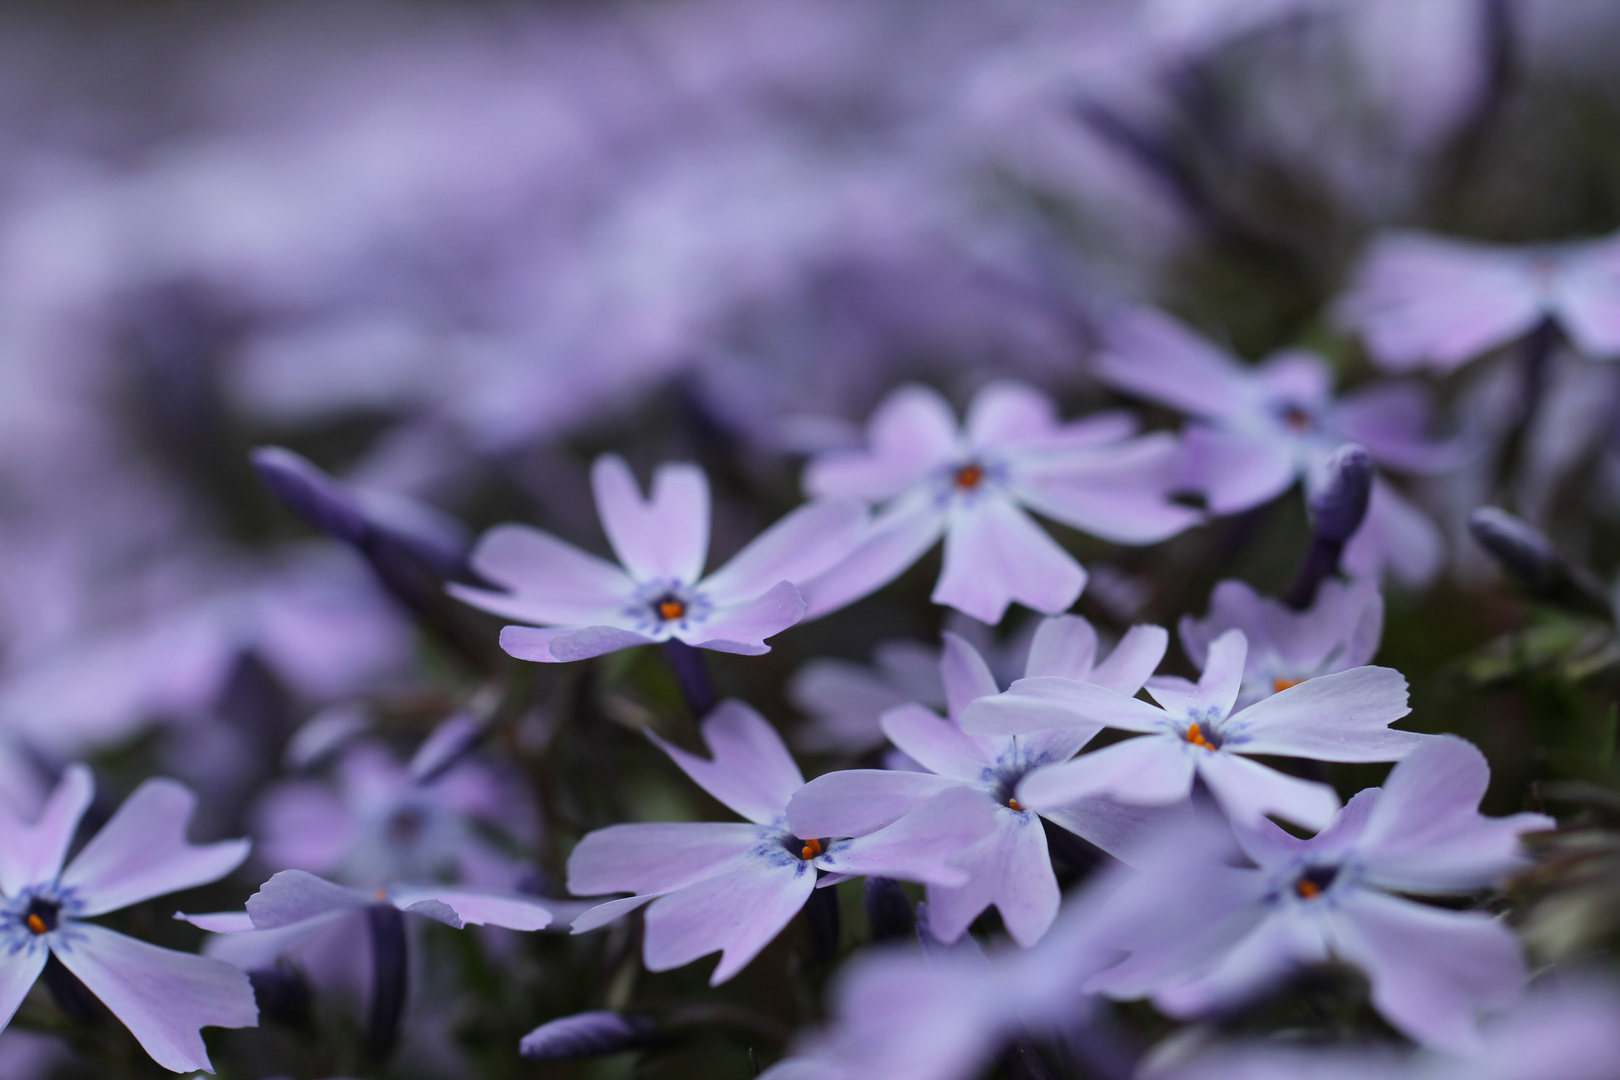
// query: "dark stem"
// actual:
[[821, 915], [1321, 561], [72, 997], [389, 978], [1021, 1061], [888, 910], [693, 676]]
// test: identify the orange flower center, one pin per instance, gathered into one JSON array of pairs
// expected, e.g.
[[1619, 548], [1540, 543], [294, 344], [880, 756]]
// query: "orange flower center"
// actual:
[[969, 476], [1307, 889], [811, 849], [670, 610], [1195, 735], [1279, 685], [37, 924], [1012, 804]]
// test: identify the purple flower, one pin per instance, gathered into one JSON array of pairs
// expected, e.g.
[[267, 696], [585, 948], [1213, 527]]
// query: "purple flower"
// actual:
[[1426, 301], [972, 484], [589, 606], [1009, 866], [733, 887], [1338, 632], [1302, 901], [1194, 733], [163, 997]]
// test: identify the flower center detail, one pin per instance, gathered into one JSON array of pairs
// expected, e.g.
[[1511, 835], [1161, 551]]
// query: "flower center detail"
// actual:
[[1279, 685], [1012, 804], [1297, 419], [1315, 881], [1195, 735], [41, 917], [811, 849], [969, 476], [669, 607]]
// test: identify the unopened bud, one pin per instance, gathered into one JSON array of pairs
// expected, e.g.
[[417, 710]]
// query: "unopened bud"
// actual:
[[1520, 548], [311, 493], [588, 1034], [1338, 508], [888, 909]]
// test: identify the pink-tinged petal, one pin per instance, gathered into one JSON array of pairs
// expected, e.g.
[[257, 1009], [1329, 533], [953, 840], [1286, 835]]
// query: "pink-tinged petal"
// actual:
[[1233, 605], [1236, 470], [912, 431], [803, 544], [925, 845], [1248, 790], [965, 674], [1007, 413], [1042, 702], [1427, 834], [750, 769], [477, 908], [1390, 419], [897, 538], [142, 852], [655, 857], [854, 802], [1151, 355], [303, 825], [1119, 493], [1133, 661], [1432, 971], [660, 539], [1589, 299], [33, 854], [599, 916], [293, 896], [995, 554], [1340, 717], [1009, 869], [219, 922], [937, 744], [1396, 538], [564, 644], [1278, 946], [1096, 429], [743, 629], [1296, 377], [551, 582], [1217, 688], [1151, 771], [17, 977], [739, 912], [164, 997], [1064, 647]]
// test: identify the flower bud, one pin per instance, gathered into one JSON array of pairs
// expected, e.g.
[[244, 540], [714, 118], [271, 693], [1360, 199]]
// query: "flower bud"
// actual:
[[588, 1034], [1338, 508]]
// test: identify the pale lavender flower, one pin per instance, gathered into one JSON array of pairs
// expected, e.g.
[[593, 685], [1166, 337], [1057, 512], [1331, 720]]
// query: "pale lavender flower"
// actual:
[[1432, 970], [974, 483], [589, 606], [1428, 301], [1009, 867], [1339, 631], [163, 997], [733, 887], [1194, 733], [1256, 430]]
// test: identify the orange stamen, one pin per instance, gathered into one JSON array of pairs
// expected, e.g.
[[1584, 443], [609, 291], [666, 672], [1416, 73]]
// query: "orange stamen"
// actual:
[[968, 477], [37, 924], [1279, 685], [1012, 804], [670, 610], [1307, 890], [1195, 735], [380, 896], [811, 849]]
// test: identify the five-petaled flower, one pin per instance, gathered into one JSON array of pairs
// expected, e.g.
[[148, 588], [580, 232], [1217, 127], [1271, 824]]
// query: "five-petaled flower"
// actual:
[[584, 606], [1193, 732]]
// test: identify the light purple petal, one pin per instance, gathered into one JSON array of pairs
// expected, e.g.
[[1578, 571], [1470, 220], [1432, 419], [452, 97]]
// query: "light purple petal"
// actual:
[[742, 630], [1151, 355], [164, 997], [1390, 420], [219, 922], [1010, 869], [295, 895], [478, 908], [925, 845], [854, 802], [1064, 646], [1275, 948], [937, 744], [660, 539], [1432, 971], [1121, 829], [739, 912], [1236, 470], [1153, 771], [912, 431], [33, 853], [1395, 538], [965, 674], [655, 857], [995, 554], [1133, 661], [844, 700], [17, 976], [1427, 834], [897, 538], [142, 852], [567, 643], [803, 544], [1589, 299], [1119, 493], [1007, 413], [1248, 790], [750, 769], [552, 582], [599, 916], [1217, 688], [1042, 702], [1340, 717]]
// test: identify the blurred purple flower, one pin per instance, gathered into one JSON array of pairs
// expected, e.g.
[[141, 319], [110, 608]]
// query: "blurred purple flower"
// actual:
[[733, 887], [1428, 301], [1009, 866], [1194, 734], [972, 485], [1432, 970], [163, 997], [1339, 631], [589, 606]]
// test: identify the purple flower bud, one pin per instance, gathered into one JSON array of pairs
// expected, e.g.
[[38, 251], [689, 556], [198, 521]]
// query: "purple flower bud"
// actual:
[[1339, 507], [1521, 549], [389, 978], [448, 744], [311, 493], [588, 1034]]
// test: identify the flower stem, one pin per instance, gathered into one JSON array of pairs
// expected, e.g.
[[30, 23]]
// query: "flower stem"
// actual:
[[692, 675], [389, 971]]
